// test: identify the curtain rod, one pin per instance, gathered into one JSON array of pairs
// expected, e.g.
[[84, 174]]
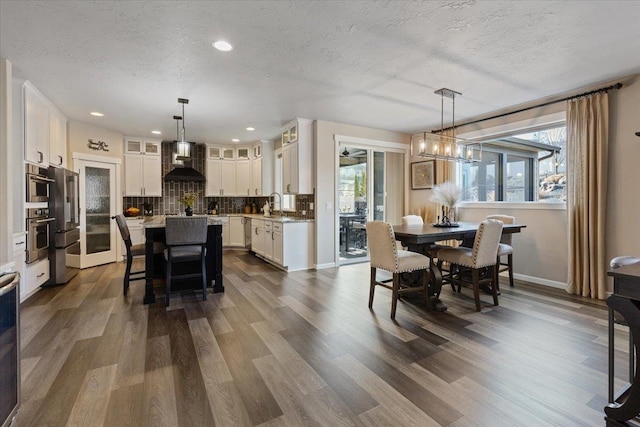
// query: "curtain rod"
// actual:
[[568, 98]]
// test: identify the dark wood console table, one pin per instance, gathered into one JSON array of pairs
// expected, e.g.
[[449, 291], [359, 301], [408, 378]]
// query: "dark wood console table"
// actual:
[[624, 407]]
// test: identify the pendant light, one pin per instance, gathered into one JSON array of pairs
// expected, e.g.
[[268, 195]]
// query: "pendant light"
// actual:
[[183, 148], [439, 146]]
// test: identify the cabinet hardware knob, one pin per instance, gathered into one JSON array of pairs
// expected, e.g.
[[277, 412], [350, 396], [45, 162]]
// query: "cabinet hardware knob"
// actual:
[[41, 157], [60, 157], [20, 243], [40, 275]]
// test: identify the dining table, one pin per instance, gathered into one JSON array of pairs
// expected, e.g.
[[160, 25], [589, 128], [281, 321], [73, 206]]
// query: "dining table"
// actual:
[[154, 231], [422, 238]]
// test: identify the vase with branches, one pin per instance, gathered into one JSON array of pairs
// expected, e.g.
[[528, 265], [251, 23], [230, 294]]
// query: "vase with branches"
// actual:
[[447, 194], [189, 199]]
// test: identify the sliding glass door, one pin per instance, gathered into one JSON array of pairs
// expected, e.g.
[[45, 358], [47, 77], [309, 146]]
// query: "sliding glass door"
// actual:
[[370, 187]]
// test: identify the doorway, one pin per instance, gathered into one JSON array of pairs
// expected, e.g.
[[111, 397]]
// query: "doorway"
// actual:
[[98, 199], [370, 187]]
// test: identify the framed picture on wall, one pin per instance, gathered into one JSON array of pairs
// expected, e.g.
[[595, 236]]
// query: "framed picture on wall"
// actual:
[[423, 175]]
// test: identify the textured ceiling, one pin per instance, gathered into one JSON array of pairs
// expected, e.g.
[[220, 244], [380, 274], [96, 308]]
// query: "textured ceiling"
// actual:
[[372, 64]]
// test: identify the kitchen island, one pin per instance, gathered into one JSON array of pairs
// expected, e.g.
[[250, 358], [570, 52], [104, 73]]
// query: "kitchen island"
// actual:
[[154, 231]]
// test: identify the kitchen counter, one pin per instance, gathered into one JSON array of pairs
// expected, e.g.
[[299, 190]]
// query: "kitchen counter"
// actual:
[[275, 218], [157, 221]]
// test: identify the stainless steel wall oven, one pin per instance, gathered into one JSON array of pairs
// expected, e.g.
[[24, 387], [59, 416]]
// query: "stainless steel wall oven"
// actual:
[[38, 184], [38, 223]]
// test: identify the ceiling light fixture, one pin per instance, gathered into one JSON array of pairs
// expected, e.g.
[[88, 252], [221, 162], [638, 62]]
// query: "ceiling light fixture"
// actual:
[[183, 148], [97, 114], [251, 129], [235, 140], [439, 146], [222, 46], [156, 132]]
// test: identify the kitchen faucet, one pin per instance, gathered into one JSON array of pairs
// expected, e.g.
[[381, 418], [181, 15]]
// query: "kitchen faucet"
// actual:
[[273, 204]]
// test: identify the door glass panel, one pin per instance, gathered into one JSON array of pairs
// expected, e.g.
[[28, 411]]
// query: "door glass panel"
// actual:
[[98, 202], [352, 199], [378, 186]]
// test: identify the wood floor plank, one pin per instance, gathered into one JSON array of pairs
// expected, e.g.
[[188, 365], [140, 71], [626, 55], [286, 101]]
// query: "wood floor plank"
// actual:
[[190, 393], [131, 361], [210, 359], [125, 407], [159, 407], [90, 408]]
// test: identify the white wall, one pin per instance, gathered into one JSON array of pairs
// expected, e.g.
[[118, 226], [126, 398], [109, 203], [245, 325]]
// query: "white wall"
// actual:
[[79, 133], [6, 169], [623, 213], [325, 155], [540, 250]]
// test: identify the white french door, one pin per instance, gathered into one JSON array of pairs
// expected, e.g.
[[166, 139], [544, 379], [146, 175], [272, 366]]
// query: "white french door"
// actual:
[[98, 203]]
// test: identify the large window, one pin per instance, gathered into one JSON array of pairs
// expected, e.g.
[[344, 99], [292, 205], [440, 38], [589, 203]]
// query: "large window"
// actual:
[[521, 167]]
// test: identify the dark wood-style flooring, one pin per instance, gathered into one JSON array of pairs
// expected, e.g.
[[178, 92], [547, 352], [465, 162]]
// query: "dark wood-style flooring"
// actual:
[[303, 349]]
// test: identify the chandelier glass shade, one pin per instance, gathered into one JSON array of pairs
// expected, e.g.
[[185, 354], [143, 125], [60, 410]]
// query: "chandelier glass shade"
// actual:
[[440, 146]]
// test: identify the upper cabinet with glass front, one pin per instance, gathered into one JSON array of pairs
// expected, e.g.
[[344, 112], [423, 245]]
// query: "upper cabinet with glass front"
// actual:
[[243, 153], [290, 132], [142, 146], [297, 156]]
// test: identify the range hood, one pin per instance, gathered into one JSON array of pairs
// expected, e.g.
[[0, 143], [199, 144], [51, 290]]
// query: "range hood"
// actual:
[[184, 174]]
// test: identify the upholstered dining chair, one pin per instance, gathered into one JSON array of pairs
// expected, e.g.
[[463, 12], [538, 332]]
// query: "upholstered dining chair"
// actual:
[[133, 251], [186, 239], [412, 220], [482, 254], [504, 249], [385, 255]]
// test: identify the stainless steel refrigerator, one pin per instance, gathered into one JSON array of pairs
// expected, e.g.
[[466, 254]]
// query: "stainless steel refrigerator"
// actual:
[[65, 234]]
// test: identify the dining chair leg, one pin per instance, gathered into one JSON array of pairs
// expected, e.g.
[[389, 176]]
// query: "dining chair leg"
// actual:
[[204, 280], [496, 274], [476, 287], [394, 294], [494, 289], [168, 295], [127, 275], [510, 262], [372, 287]]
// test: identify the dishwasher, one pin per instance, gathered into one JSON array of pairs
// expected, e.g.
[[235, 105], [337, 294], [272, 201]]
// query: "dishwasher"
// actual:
[[247, 233]]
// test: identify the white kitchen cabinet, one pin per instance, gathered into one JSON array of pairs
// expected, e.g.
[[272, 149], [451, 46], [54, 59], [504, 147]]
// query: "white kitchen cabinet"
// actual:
[[57, 138], [288, 245], [267, 247], [36, 275], [226, 235], [221, 178], [243, 178], [19, 258], [262, 169], [36, 125], [278, 247], [243, 153], [214, 152], [257, 236], [236, 231], [142, 167], [297, 158]]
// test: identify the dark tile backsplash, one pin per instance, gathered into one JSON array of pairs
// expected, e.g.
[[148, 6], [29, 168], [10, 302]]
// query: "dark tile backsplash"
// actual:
[[172, 191]]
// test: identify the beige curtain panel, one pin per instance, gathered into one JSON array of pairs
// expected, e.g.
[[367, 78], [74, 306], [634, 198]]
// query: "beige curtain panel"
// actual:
[[587, 157]]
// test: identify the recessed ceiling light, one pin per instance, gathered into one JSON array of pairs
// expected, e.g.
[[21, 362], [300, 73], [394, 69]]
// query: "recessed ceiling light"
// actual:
[[156, 132], [235, 140], [223, 46], [250, 128], [97, 114]]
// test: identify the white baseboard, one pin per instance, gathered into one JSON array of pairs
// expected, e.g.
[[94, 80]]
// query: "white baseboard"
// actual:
[[326, 265], [540, 281]]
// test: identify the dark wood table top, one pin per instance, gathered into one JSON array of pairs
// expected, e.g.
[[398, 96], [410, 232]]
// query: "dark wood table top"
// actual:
[[631, 271], [428, 233]]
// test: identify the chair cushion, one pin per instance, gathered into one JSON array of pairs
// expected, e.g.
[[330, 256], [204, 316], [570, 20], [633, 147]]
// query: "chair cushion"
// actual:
[[460, 256], [504, 249], [184, 253], [138, 250], [411, 261]]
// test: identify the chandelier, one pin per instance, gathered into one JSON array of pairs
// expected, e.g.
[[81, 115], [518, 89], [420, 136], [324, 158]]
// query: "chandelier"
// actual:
[[183, 148], [439, 146]]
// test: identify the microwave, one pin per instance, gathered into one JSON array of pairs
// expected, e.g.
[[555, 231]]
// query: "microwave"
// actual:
[[38, 184]]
